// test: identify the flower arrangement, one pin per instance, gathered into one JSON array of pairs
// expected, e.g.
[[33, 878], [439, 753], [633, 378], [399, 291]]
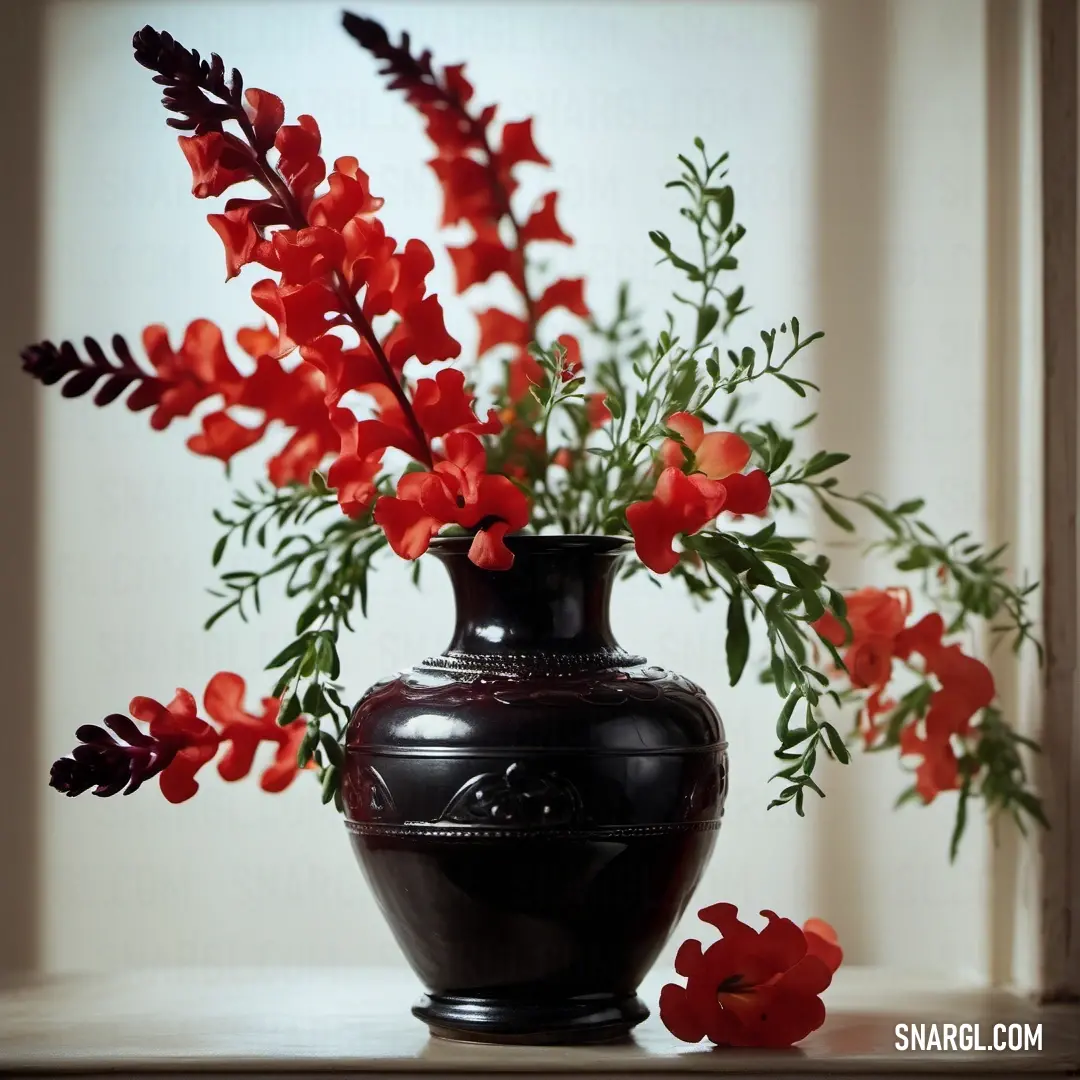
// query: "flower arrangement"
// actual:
[[393, 438], [653, 438]]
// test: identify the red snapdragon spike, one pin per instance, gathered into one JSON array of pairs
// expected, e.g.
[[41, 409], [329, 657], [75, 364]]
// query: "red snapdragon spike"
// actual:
[[458, 491], [478, 181], [178, 723], [245, 732], [681, 504], [751, 988]]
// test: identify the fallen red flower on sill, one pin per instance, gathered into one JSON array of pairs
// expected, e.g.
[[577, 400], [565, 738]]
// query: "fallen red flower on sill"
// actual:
[[751, 988]]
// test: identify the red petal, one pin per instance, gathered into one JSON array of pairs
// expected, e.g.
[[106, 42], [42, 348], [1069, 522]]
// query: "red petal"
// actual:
[[349, 195], [256, 341], [266, 113], [566, 293], [408, 529], [488, 549], [479, 260], [218, 160], [720, 454], [307, 254], [427, 332], [467, 190], [596, 411], [681, 504], [518, 145], [747, 494], [458, 86], [822, 942], [544, 225], [924, 637], [678, 1015], [690, 429], [443, 404], [222, 437], [500, 328], [299, 310], [299, 161]]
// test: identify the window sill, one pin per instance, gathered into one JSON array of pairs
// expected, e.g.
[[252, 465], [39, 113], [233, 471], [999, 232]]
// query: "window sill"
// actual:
[[325, 1021]]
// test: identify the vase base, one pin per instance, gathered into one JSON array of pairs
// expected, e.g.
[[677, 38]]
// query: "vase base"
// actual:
[[589, 1018]]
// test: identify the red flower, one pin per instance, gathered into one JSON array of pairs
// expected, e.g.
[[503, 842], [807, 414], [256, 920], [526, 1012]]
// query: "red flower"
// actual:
[[178, 723], [242, 228], [718, 455], [680, 504], [876, 617], [245, 732], [199, 369], [299, 162], [685, 504], [457, 491], [218, 160], [222, 437], [443, 404], [751, 988]]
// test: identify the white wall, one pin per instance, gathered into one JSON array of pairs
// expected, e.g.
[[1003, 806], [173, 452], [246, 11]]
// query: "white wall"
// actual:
[[235, 876]]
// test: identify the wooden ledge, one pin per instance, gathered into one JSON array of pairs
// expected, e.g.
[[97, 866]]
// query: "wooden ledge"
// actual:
[[316, 1022]]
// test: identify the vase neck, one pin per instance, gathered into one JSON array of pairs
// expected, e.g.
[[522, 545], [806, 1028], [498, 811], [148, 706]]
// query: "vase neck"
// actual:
[[554, 598]]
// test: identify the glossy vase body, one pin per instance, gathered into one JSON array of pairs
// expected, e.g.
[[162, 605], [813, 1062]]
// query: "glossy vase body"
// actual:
[[534, 807]]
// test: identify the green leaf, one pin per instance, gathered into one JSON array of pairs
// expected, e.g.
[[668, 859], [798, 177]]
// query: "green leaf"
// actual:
[[706, 322], [833, 514], [823, 461], [961, 819], [784, 718], [836, 744], [219, 549], [738, 638], [296, 648], [333, 749], [290, 711], [329, 784]]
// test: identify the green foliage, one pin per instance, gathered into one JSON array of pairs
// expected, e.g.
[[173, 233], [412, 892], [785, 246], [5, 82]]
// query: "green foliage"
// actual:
[[775, 586], [331, 573]]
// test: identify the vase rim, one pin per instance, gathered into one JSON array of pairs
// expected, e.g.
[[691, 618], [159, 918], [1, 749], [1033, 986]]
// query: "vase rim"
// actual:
[[540, 544]]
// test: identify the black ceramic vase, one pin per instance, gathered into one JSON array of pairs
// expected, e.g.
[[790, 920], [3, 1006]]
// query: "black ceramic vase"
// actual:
[[534, 807]]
